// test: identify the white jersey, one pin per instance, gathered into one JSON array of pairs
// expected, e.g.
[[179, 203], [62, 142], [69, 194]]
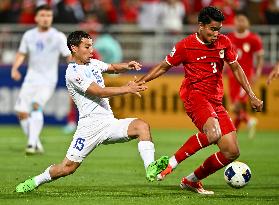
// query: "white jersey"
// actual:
[[43, 50], [78, 79]]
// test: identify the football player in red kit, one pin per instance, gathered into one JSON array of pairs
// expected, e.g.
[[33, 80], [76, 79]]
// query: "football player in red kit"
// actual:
[[248, 46], [203, 54]]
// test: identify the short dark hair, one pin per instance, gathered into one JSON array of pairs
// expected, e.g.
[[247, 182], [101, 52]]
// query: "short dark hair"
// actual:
[[43, 7], [209, 13], [74, 39]]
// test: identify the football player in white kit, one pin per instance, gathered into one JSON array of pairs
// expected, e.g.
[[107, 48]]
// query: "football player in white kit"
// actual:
[[43, 46], [97, 124]]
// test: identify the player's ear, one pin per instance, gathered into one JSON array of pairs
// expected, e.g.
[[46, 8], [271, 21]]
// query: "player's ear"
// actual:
[[36, 18], [201, 26], [74, 48]]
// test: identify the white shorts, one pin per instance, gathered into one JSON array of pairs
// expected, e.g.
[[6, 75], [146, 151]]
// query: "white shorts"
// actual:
[[30, 94], [91, 132]]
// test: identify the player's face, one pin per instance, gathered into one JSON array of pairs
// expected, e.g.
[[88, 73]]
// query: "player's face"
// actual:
[[209, 32], [44, 19], [241, 23], [83, 52]]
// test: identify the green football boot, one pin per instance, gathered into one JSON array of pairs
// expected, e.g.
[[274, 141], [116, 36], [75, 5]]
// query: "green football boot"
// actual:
[[28, 185], [156, 167]]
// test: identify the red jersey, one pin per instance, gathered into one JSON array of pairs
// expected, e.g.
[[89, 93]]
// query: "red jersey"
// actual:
[[203, 65], [246, 47]]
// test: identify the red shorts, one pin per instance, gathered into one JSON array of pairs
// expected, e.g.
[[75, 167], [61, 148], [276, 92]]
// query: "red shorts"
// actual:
[[199, 109], [236, 92]]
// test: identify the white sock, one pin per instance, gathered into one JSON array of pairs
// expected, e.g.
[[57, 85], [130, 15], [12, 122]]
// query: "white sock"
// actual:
[[192, 177], [36, 122], [172, 162], [25, 126], [146, 150], [43, 178]]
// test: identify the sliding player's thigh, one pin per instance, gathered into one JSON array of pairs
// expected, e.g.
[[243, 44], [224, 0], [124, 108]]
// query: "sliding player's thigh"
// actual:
[[118, 131], [91, 133]]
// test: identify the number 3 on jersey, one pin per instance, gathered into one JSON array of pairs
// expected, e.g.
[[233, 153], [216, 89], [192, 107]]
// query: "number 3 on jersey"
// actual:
[[214, 67]]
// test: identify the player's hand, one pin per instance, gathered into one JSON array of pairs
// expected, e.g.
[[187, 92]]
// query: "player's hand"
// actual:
[[133, 65], [274, 74], [135, 88], [256, 104], [15, 75]]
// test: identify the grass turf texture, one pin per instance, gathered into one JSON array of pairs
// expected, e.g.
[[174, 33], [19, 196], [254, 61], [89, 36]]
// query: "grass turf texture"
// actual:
[[114, 174]]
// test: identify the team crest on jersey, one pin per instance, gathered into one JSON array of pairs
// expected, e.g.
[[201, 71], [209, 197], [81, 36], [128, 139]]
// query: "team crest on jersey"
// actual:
[[78, 80], [246, 47], [222, 53]]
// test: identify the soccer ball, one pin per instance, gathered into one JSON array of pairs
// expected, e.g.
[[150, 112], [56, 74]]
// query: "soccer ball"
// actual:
[[237, 174]]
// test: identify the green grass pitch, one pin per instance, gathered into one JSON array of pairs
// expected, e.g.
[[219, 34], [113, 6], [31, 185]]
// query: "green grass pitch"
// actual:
[[114, 174]]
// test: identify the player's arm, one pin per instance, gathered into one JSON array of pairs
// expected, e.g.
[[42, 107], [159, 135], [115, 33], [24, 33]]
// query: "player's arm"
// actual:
[[274, 74], [155, 72], [242, 79], [15, 74], [123, 67], [132, 87], [259, 65]]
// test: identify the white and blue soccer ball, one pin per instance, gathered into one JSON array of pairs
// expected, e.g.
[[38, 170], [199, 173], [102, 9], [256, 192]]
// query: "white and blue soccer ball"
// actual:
[[237, 174]]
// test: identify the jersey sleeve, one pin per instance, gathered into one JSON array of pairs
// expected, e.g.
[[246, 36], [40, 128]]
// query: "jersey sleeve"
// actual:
[[175, 57], [23, 47], [64, 50], [257, 46], [100, 65], [230, 52], [79, 79]]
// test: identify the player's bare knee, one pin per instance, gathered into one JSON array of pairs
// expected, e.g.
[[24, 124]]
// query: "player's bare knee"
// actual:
[[22, 115], [212, 130], [35, 106], [142, 128], [213, 135]]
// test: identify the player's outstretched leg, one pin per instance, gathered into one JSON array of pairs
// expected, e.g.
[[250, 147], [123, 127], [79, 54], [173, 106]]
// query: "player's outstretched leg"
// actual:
[[66, 167], [156, 167], [28, 185]]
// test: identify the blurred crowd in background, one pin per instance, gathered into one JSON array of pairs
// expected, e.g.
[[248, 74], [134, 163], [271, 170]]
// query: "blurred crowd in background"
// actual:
[[171, 14]]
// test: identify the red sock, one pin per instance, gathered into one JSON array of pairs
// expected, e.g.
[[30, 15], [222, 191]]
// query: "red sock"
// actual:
[[191, 146], [211, 165]]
